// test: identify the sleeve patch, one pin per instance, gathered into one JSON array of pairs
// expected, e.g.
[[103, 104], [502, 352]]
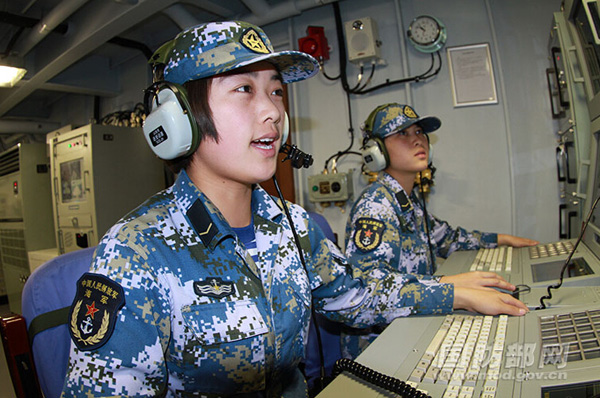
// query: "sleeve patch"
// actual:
[[368, 234], [94, 311]]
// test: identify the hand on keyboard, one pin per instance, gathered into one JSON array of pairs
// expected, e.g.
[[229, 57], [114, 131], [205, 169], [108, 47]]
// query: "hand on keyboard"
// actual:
[[487, 301], [478, 280], [515, 241]]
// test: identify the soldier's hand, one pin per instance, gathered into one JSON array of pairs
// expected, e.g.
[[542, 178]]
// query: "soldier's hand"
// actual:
[[515, 241], [478, 280], [488, 302]]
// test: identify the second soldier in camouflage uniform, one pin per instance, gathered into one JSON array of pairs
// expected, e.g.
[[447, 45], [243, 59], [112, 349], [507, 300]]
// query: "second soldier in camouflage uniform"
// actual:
[[387, 222], [200, 291]]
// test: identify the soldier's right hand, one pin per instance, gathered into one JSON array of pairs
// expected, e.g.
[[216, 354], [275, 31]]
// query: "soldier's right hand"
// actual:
[[487, 301]]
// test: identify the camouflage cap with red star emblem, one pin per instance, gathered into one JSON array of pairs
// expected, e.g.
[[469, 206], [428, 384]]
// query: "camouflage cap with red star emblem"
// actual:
[[392, 118], [211, 48]]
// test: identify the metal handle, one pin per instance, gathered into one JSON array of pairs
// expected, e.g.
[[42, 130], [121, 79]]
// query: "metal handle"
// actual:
[[86, 173], [563, 101], [569, 145], [556, 114], [561, 224], [61, 242], [582, 178], [572, 214], [576, 79], [560, 169]]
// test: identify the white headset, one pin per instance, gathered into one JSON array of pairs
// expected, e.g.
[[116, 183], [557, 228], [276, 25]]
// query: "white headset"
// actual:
[[374, 154], [170, 128]]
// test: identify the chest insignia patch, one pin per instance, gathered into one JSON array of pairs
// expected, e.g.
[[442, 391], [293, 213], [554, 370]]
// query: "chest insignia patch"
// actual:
[[214, 287], [368, 234], [94, 311]]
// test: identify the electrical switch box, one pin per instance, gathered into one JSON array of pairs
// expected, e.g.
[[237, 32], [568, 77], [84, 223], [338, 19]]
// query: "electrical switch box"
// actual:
[[335, 187]]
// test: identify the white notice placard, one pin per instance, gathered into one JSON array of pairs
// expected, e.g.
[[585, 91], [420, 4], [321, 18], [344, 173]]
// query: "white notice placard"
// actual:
[[472, 75]]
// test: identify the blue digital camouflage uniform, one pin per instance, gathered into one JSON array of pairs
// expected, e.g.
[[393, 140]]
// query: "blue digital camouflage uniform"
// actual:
[[200, 318], [387, 227]]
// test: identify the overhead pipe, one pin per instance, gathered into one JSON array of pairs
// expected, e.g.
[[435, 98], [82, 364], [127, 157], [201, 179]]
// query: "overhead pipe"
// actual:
[[22, 22], [27, 22], [58, 14]]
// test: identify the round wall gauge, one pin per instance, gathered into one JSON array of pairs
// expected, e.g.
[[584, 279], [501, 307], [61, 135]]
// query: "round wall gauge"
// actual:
[[427, 33]]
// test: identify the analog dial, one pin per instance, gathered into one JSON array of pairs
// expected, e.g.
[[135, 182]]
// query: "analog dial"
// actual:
[[427, 33]]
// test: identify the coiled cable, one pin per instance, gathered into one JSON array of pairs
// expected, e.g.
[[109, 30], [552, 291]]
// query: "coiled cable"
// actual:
[[379, 379]]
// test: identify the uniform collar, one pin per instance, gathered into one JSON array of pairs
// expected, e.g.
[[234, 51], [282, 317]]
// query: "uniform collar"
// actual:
[[205, 217]]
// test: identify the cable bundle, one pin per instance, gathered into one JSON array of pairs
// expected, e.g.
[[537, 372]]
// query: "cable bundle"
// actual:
[[133, 118]]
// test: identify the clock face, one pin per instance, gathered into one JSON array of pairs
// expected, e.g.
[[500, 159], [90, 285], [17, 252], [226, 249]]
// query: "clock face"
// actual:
[[427, 34], [424, 30]]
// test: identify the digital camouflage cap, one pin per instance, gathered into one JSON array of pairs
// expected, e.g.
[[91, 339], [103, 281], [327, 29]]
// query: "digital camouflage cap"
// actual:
[[392, 118], [211, 48]]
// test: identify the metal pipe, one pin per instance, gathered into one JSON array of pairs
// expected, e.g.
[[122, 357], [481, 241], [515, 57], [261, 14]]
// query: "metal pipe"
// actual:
[[59, 14]]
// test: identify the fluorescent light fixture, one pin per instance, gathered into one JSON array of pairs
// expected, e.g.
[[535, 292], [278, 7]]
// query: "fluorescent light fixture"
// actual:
[[10, 75]]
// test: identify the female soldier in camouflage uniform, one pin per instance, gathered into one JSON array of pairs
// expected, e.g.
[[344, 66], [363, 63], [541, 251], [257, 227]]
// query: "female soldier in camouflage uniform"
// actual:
[[387, 223], [201, 291]]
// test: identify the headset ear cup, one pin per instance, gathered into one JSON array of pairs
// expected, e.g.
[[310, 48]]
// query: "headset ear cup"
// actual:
[[374, 154], [170, 128], [430, 158], [285, 129]]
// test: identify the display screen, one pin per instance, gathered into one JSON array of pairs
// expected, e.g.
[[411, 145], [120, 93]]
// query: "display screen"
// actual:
[[550, 271], [588, 389], [71, 182]]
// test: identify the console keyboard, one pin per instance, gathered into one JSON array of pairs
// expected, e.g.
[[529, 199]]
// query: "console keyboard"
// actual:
[[575, 336], [459, 356], [498, 259], [550, 249]]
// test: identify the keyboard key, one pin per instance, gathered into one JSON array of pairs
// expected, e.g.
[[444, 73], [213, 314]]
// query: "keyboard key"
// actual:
[[416, 375], [431, 375]]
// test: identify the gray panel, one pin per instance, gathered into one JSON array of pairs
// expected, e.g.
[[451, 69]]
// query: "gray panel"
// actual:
[[523, 370]]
